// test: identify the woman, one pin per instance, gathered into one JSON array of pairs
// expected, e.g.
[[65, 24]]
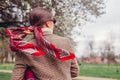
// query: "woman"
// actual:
[[49, 56]]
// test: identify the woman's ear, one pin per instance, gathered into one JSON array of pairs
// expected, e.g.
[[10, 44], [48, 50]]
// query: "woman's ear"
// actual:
[[49, 24]]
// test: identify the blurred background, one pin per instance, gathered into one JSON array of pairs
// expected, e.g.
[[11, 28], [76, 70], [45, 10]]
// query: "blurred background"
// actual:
[[92, 25]]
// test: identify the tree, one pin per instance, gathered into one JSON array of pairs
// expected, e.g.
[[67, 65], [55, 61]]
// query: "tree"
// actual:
[[70, 13], [109, 49], [91, 46]]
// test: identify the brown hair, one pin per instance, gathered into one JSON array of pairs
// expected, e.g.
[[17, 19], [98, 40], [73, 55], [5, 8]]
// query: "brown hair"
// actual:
[[38, 16]]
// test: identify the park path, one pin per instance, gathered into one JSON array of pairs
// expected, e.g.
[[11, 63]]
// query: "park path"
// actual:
[[78, 78], [91, 78], [7, 71]]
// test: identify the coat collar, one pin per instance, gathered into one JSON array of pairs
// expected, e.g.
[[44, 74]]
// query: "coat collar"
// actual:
[[47, 31]]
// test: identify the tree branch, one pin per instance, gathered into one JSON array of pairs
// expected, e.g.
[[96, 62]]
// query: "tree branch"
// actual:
[[11, 23]]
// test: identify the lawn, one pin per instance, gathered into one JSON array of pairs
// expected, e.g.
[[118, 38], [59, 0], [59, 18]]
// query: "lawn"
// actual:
[[100, 70], [6, 66], [5, 76], [86, 69]]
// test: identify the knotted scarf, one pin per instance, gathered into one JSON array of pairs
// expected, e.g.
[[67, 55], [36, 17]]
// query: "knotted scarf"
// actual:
[[18, 44]]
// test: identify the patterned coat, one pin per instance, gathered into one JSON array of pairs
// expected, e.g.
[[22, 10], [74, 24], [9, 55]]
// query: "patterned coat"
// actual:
[[46, 67]]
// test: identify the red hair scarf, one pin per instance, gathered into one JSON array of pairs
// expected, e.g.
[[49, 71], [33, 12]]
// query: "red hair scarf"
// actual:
[[17, 44]]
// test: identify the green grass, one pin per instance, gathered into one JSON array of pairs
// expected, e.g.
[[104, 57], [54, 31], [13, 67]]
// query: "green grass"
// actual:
[[5, 76], [6, 66], [86, 69], [100, 70]]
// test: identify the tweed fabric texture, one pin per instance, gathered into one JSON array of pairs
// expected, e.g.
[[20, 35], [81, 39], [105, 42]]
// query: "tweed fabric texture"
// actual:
[[46, 67]]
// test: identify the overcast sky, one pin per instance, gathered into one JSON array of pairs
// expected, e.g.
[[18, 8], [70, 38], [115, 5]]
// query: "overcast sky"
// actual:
[[108, 23]]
